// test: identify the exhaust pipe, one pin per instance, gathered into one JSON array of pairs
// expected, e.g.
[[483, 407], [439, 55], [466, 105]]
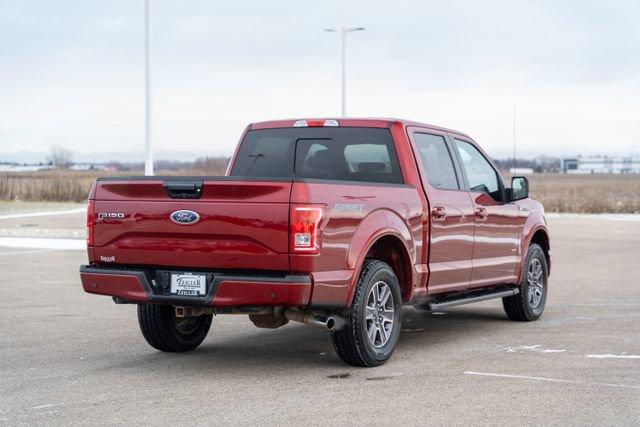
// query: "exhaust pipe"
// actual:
[[328, 323]]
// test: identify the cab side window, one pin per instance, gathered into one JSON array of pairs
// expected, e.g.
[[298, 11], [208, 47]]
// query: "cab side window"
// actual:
[[436, 161], [481, 175]]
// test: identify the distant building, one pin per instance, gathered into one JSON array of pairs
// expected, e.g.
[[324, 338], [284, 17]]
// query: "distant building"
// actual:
[[600, 164], [88, 167], [521, 171]]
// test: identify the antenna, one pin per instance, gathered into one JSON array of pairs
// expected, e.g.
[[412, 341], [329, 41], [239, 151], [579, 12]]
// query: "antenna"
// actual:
[[514, 139]]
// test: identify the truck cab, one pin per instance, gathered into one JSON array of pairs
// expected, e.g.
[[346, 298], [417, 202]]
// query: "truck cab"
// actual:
[[336, 223]]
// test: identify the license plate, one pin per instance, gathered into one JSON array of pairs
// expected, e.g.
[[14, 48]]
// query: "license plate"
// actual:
[[187, 284]]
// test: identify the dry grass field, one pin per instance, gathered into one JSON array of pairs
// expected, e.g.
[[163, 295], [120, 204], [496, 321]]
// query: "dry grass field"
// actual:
[[558, 192], [69, 186], [50, 186], [587, 193]]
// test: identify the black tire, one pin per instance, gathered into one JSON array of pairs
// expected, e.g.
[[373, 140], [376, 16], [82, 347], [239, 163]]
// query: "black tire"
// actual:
[[165, 332], [351, 341], [524, 306]]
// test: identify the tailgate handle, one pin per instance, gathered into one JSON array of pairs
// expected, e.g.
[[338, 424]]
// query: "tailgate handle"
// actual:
[[183, 189]]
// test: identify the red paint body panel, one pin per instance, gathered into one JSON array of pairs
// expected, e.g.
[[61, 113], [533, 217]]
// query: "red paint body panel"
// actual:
[[451, 234], [244, 226], [232, 293], [347, 235], [533, 222], [496, 237], [123, 286], [496, 242]]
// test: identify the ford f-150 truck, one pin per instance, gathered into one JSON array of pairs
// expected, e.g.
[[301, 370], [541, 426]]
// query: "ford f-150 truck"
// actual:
[[334, 223]]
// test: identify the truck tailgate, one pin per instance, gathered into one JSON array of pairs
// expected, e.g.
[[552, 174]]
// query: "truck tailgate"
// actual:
[[242, 224]]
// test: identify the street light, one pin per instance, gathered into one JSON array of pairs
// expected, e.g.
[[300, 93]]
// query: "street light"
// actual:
[[343, 32], [148, 155]]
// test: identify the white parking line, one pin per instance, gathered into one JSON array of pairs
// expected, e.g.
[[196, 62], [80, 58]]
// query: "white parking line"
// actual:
[[613, 356], [553, 380], [46, 213], [41, 243]]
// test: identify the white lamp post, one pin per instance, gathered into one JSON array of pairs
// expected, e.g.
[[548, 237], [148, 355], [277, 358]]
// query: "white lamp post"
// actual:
[[343, 32], [148, 155]]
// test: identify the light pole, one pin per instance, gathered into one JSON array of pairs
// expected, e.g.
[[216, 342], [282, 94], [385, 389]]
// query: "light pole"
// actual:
[[343, 33], [148, 155], [515, 165]]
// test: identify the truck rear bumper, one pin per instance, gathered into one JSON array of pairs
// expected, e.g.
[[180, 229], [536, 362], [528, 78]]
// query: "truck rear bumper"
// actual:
[[224, 290]]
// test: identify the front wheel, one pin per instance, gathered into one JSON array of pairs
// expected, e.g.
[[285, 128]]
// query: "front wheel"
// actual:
[[166, 332], [373, 322], [529, 303]]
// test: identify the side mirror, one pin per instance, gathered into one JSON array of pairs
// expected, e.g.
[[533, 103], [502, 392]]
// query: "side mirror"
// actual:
[[519, 188]]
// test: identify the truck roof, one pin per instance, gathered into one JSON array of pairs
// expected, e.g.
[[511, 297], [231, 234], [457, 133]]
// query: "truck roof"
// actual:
[[378, 122]]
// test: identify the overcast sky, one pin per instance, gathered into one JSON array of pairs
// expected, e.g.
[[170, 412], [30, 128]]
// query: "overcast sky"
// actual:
[[72, 72]]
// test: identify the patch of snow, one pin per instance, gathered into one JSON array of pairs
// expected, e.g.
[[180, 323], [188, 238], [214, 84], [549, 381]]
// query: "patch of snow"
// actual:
[[608, 217], [44, 213], [37, 251], [38, 243], [51, 233]]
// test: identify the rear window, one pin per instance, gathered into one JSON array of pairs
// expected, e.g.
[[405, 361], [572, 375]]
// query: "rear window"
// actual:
[[345, 154]]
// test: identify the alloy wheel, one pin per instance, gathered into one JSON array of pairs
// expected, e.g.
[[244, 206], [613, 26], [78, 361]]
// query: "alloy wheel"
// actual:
[[535, 282], [379, 314]]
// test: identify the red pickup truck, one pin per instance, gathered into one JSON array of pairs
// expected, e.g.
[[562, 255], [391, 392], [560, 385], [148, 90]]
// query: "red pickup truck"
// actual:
[[334, 223]]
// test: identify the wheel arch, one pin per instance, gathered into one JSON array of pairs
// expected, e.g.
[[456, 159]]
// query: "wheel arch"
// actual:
[[383, 233], [388, 246], [540, 236], [391, 250]]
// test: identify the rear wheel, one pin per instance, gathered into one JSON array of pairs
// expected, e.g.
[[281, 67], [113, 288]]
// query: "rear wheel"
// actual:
[[166, 332], [529, 303], [373, 322]]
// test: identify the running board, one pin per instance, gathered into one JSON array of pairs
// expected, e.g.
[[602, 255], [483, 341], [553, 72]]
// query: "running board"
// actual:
[[469, 298]]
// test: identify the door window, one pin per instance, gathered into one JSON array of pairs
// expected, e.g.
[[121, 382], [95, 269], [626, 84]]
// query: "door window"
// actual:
[[481, 175], [436, 161]]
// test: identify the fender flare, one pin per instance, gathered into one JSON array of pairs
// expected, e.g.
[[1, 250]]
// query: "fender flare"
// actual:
[[534, 224], [384, 223]]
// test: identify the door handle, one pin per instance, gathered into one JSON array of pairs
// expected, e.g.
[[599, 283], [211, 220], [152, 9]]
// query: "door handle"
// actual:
[[438, 213], [481, 213]]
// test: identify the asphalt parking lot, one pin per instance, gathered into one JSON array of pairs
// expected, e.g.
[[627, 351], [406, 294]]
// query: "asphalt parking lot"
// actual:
[[67, 357]]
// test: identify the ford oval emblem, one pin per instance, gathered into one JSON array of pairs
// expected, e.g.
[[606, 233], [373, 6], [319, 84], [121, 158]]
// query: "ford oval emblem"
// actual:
[[185, 217]]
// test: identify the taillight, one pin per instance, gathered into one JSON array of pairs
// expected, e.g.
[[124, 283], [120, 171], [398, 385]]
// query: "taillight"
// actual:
[[305, 223], [90, 223]]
